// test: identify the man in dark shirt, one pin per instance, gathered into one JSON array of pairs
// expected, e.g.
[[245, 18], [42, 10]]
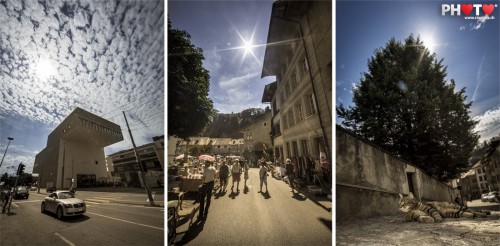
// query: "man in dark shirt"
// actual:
[[290, 172], [223, 174]]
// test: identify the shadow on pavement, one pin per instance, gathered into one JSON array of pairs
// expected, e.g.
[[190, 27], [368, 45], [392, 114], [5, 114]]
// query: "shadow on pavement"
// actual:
[[233, 194], [219, 194], [266, 195], [192, 232], [298, 196], [327, 223], [487, 207]]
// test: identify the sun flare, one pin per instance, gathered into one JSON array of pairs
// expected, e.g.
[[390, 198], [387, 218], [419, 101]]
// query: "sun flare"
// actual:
[[45, 69]]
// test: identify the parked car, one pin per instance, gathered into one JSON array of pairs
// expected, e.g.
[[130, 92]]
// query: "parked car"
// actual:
[[483, 197], [493, 196], [21, 192], [33, 188], [63, 203]]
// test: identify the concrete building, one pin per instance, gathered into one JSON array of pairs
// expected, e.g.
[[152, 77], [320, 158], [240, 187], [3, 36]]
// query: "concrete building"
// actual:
[[151, 155], [488, 168], [257, 139], [298, 53], [172, 149], [75, 151]]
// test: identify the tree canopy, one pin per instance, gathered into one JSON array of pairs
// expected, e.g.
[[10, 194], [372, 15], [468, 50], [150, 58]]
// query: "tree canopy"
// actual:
[[404, 105], [189, 107]]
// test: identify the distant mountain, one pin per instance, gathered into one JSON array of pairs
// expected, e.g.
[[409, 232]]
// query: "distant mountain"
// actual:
[[229, 125]]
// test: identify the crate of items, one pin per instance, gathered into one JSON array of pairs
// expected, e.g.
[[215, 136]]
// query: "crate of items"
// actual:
[[315, 190]]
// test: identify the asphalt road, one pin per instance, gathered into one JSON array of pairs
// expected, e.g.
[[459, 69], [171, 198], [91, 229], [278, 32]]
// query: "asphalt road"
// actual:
[[108, 221], [253, 218]]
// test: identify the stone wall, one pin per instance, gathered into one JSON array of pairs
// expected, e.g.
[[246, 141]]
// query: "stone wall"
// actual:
[[369, 179]]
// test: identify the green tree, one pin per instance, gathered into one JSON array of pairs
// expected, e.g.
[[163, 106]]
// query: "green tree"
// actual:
[[189, 108], [404, 105]]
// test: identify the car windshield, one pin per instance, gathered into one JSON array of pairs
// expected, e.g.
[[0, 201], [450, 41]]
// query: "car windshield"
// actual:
[[65, 195]]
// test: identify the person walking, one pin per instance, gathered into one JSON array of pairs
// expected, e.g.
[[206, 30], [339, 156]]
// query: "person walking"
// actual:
[[236, 172], [263, 176], [206, 189], [290, 172], [6, 198], [223, 174], [245, 175]]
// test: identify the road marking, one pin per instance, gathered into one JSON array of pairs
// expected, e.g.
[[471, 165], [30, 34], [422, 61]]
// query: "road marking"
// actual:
[[92, 202], [97, 200], [27, 201], [64, 239], [154, 227]]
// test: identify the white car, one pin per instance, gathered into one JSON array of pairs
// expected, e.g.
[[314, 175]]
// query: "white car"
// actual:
[[63, 203]]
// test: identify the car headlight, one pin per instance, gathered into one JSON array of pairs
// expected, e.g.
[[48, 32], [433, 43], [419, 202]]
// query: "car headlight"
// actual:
[[68, 205]]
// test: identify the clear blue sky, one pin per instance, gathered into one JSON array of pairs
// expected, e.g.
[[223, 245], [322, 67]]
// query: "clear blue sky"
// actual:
[[470, 48], [221, 28], [102, 56]]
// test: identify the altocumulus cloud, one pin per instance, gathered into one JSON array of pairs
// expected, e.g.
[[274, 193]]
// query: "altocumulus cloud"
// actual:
[[102, 56]]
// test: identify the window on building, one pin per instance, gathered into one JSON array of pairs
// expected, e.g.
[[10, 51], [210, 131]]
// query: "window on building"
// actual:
[[288, 150], [300, 112], [295, 148], [305, 147], [264, 123], [291, 118], [285, 121], [312, 104], [305, 64], [296, 78]]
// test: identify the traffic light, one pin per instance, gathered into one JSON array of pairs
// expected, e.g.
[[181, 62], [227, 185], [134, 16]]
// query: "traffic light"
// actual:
[[20, 169]]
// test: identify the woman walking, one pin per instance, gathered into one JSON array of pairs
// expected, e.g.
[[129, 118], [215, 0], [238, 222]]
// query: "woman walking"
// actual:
[[263, 176]]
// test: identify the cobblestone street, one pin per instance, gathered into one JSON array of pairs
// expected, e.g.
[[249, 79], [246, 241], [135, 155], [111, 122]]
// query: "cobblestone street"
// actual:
[[392, 230]]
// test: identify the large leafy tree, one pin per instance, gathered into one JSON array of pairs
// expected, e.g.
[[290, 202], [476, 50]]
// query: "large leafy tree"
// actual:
[[404, 105], [189, 107]]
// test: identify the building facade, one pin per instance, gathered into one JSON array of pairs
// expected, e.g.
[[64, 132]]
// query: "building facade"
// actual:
[[74, 154], [151, 155], [298, 53], [257, 139], [196, 146]]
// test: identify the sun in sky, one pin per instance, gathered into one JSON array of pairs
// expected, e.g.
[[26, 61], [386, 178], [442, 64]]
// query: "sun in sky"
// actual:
[[429, 40], [45, 69]]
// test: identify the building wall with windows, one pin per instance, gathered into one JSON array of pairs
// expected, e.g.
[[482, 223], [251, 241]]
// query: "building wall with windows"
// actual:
[[302, 102], [196, 146], [257, 138], [151, 155], [74, 154]]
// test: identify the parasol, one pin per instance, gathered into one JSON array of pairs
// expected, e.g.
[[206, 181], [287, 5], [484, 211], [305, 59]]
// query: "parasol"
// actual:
[[206, 158]]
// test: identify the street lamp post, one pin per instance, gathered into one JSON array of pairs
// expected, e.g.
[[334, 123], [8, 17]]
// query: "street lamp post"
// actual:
[[10, 139]]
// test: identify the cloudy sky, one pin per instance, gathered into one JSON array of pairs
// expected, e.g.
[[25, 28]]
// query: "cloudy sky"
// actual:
[[221, 29], [103, 56], [470, 48]]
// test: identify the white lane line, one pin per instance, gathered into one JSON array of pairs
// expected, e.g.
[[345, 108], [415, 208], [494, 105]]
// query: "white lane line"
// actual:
[[154, 227], [27, 201], [92, 202], [64, 239]]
